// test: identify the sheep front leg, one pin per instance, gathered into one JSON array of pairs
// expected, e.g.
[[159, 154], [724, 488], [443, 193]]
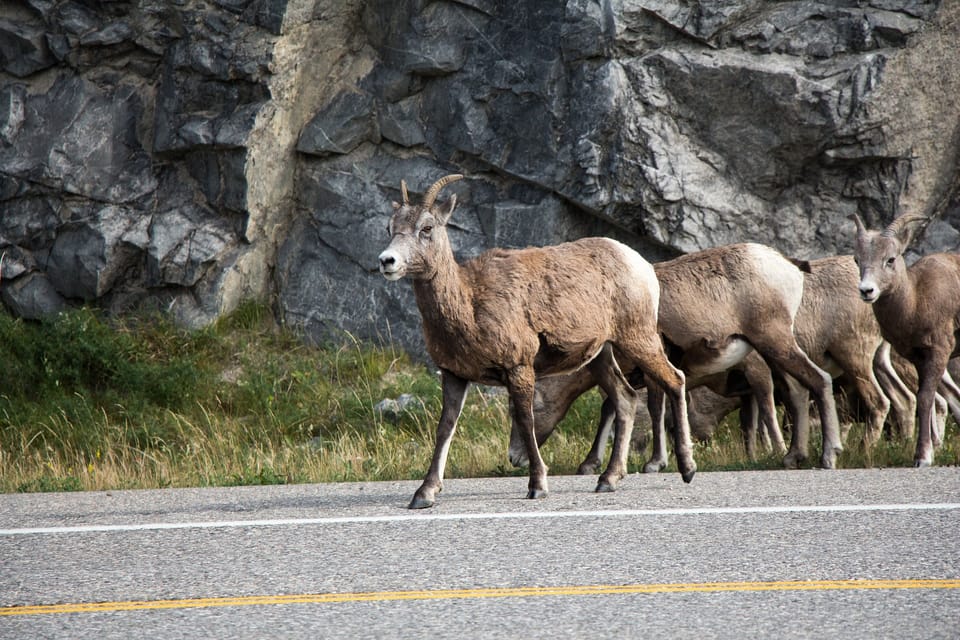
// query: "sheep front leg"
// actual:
[[454, 394], [930, 368], [520, 384], [903, 402]]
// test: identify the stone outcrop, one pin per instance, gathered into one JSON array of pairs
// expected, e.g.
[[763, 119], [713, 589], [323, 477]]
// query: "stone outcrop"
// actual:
[[186, 155]]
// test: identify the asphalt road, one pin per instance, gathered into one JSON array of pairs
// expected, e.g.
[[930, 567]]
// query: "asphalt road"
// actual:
[[852, 554]]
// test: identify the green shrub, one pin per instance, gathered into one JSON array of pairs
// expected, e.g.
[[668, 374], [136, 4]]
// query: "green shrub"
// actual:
[[88, 402]]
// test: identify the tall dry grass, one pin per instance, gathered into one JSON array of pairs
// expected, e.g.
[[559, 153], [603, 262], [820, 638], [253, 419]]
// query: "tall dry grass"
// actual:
[[90, 403]]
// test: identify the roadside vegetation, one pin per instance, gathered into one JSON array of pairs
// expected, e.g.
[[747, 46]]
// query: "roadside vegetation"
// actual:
[[91, 403]]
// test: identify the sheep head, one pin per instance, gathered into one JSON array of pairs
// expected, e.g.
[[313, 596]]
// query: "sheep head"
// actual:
[[418, 233], [879, 254]]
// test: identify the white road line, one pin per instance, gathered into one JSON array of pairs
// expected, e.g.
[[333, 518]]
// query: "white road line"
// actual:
[[434, 517]]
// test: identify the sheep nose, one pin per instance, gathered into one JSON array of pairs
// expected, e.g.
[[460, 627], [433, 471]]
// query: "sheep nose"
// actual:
[[387, 259], [866, 292]]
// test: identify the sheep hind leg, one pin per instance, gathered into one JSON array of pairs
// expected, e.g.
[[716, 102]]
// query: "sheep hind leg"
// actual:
[[903, 401], [749, 426], [878, 406], [782, 353], [796, 402], [594, 460], [761, 383], [658, 371], [951, 394], [624, 401]]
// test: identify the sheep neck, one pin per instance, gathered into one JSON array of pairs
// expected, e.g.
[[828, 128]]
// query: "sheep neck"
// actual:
[[896, 305], [444, 303]]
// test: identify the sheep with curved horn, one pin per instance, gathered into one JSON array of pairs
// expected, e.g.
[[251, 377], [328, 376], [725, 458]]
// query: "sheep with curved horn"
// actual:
[[917, 308], [507, 317]]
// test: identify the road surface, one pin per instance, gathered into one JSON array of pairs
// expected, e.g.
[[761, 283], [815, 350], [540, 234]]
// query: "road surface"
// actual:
[[850, 553]]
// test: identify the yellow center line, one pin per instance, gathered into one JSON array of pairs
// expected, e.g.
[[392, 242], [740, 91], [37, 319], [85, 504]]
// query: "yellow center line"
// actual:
[[451, 594]]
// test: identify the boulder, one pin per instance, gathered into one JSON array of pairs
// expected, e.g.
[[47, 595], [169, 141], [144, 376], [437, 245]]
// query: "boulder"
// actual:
[[31, 297], [186, 156]]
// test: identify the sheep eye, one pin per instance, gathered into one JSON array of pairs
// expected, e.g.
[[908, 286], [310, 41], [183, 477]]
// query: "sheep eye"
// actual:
[[891, 262], [856, 261], [426, 231]]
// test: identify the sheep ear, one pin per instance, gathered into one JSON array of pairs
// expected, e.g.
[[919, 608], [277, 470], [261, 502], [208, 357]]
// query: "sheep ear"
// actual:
[[395, 205], [445, 212]]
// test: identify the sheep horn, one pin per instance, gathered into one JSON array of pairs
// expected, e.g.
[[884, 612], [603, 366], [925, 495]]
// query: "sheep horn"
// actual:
[[403, 190], [431, 195], [896, 228], [861, 228]]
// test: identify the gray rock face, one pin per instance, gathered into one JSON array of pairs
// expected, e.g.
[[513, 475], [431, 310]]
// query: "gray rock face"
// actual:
[[186, 155]]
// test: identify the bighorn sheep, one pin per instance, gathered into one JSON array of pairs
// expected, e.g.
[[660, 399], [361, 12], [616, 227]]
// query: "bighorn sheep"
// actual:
[[842, 336], [509, 316], [716, 306], [917, 308]]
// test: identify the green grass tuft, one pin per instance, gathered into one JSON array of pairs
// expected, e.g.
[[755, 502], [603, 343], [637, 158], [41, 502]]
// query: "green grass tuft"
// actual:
[[88, 402]]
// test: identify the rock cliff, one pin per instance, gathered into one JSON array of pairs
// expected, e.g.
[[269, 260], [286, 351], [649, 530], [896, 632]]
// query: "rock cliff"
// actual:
[[185, 155]]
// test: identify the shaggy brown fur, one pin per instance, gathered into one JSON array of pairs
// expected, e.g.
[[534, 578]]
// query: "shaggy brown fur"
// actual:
[[508, 317]]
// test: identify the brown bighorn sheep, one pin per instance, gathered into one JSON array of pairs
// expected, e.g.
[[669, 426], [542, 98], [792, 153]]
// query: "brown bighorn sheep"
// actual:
[[509, 316], [841, 336], [716, 306], [917, 308]]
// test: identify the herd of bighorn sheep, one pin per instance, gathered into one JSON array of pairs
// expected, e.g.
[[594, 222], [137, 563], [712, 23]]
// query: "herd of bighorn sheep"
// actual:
[[549, 323]]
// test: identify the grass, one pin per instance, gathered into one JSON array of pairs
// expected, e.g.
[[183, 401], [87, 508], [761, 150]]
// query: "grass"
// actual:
[[88, 403]]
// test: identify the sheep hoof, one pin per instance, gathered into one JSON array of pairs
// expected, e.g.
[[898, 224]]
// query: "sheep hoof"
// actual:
[[604, 487], [688, 476], [587, 468], [420, 502], [536, 494], [920, 464], [654, 466], [793, 460]]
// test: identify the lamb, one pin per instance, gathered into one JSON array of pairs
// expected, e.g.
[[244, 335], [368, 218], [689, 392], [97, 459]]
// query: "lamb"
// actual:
[[716, 307], [510, 316], [917, 308]]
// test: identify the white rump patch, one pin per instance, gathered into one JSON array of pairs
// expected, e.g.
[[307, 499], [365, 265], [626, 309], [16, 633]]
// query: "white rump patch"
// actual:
[[641, 270], [780, 273]]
